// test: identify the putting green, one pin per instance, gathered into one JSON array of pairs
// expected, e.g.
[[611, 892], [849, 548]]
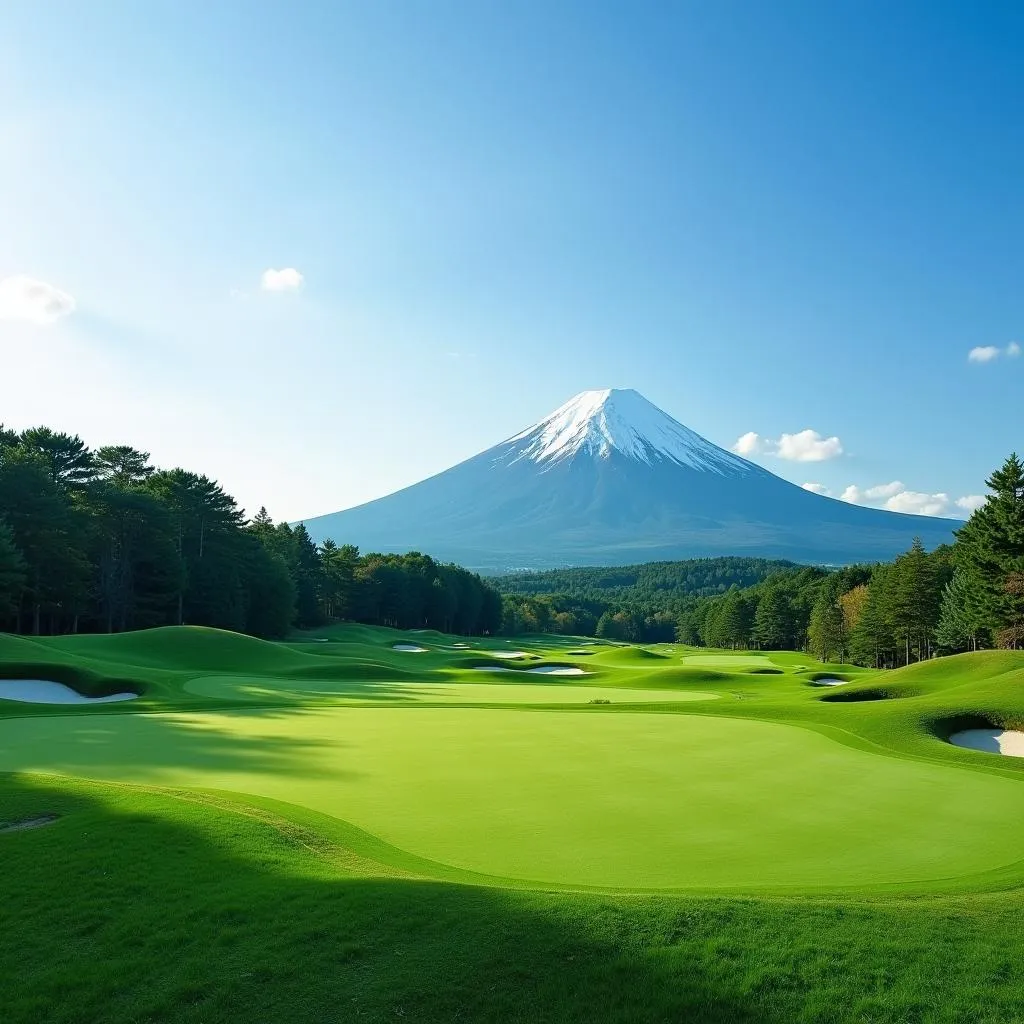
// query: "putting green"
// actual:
[[621, 800], [246, 688]]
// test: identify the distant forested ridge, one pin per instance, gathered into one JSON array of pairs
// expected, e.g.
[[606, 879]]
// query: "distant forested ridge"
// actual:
[[630, 602], [958, 597], [697, 576], [102, 541]]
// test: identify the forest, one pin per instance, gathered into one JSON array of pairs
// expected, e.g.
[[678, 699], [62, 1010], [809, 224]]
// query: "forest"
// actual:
[[959, 597], [103, 541], [630, 602]]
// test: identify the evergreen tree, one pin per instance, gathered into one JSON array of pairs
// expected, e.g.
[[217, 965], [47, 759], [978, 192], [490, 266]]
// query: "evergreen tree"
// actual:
[[990, 551], [122, 465], [958, 625], [826, 632], [871, 641], [773, 620], [306, 573], [916, 597], [12, 572], [67, 459]]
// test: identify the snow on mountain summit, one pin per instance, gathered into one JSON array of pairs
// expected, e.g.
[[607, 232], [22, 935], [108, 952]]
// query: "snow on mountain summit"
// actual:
[[599, 422]]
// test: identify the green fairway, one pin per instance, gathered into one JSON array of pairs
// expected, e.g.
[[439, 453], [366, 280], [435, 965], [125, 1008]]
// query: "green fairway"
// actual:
[[239, 688], [619, 800], [319, 801]]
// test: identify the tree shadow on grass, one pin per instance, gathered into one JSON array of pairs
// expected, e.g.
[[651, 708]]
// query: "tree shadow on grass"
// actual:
[[138, 907], [144, 748]]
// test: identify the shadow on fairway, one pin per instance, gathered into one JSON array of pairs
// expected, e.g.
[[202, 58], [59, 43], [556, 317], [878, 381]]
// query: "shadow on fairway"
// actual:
[[135, 906], [150, 743]]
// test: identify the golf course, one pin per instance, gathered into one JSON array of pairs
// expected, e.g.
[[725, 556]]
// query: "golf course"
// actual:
[[363, 823]]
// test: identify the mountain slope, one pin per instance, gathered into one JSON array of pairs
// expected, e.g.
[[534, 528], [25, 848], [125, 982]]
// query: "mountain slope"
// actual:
[[609, 478]]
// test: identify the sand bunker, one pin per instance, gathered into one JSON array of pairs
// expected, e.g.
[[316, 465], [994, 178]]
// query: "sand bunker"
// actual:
[[460, 647], [829, 681], [543, 670], [410, 648], [42, 691], [993, 741], [558, 670], [507, 654]]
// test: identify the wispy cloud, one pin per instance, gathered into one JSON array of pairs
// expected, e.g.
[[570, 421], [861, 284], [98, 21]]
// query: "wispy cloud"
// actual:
[[988, 353], [896, 497], [30, 301], [804, 446], [288, 279]]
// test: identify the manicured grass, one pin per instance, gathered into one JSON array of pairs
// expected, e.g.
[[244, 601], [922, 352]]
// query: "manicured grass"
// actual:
[[612, 800], [286, 832]]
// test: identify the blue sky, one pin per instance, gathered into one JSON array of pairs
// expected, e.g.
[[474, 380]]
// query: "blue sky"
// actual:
[[767, 218]]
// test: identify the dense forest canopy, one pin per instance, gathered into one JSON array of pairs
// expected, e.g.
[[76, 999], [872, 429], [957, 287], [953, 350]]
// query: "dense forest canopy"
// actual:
[[101, 540], [700, 577], [629, 602]]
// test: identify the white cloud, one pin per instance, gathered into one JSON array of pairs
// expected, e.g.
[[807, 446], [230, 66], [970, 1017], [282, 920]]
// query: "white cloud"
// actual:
[[895, 497], [884, 490], [970, 502], [816, 489], [288, 279], [919, 504], [809, 446], [986, 353], [31, 301], [983, 354], [805, 446], [749, 444]]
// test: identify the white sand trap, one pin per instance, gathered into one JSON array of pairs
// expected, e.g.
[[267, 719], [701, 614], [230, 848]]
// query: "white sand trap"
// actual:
[[507, 654], [993, 741], [43, 691], [558, 670], [460, 647], [541, 670], [410, 648], [829, 682]]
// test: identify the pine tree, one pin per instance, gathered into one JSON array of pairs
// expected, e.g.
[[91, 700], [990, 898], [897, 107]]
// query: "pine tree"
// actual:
[[958, 626], [990, 551], [773, 620], [916, 599], [826, 635], [12, 572], [735, 620]]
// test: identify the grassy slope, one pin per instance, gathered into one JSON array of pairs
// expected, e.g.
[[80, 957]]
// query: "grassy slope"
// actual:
[[114, 910]]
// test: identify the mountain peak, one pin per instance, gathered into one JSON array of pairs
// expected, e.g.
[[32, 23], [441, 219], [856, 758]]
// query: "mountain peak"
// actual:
[[600, 422]]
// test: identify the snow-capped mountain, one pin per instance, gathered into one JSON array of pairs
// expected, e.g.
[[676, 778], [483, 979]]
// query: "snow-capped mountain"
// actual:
[[601, 422], [608, 478]]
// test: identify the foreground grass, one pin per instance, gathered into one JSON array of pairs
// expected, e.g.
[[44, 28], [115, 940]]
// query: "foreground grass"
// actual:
[[137, 906]]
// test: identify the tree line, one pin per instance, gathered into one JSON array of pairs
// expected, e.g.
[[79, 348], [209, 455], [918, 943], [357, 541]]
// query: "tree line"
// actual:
[[959, 597], [631, 602], [103, 541]]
